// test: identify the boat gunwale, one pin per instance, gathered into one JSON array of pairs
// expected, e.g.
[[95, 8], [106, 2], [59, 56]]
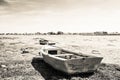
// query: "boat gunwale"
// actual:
[[59, 58], [67, 52], [63, 59]]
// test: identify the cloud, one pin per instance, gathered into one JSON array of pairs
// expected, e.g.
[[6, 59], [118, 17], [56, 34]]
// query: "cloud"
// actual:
[[3, 2], [17, 6], [70, 15]]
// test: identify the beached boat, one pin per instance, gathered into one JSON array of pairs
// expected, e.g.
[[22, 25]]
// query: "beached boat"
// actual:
[[46, 42], [68, 61], [43, 41]]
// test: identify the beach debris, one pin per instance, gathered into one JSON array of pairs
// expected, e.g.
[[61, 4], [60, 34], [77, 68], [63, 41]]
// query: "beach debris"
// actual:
[[3, 66], [24, 50], [118, 68]]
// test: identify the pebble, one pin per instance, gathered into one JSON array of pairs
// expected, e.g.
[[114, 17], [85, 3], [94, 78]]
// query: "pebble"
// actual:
[[3, 66]]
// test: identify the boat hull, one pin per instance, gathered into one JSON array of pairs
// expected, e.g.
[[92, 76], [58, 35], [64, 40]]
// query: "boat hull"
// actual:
[[72, 66]]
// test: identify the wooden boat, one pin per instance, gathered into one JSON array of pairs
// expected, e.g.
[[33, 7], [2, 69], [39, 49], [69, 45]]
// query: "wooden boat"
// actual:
[[46, 42], [43, 41], [68, 61]]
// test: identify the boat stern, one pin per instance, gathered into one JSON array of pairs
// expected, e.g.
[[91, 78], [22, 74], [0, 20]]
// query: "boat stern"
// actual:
[[83, 65]]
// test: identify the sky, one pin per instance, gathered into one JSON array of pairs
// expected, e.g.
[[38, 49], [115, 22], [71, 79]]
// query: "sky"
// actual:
[[59, 15]]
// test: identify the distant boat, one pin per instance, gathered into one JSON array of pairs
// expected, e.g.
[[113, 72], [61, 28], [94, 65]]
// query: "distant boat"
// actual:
[[46, 42], [69, 62], [43, 41]]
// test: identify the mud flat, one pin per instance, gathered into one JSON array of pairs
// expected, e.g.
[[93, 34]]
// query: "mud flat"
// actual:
[[15, 65]]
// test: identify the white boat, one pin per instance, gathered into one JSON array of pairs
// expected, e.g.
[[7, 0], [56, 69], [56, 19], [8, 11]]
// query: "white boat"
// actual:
[[68, 61]]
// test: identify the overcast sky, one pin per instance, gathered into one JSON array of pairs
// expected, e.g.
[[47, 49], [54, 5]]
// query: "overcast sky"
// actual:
[[59, 15]]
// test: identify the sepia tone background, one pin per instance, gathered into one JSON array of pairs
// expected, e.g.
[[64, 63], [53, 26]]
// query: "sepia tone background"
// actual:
[[24, 22], [64, 15]]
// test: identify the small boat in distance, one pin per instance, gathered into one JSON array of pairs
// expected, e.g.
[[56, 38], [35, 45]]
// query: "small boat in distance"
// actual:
[[68, 61], [43, 41], [46, 42]]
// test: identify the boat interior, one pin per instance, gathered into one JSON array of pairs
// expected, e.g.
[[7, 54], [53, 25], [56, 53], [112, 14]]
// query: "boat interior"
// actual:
[[66, 55]]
